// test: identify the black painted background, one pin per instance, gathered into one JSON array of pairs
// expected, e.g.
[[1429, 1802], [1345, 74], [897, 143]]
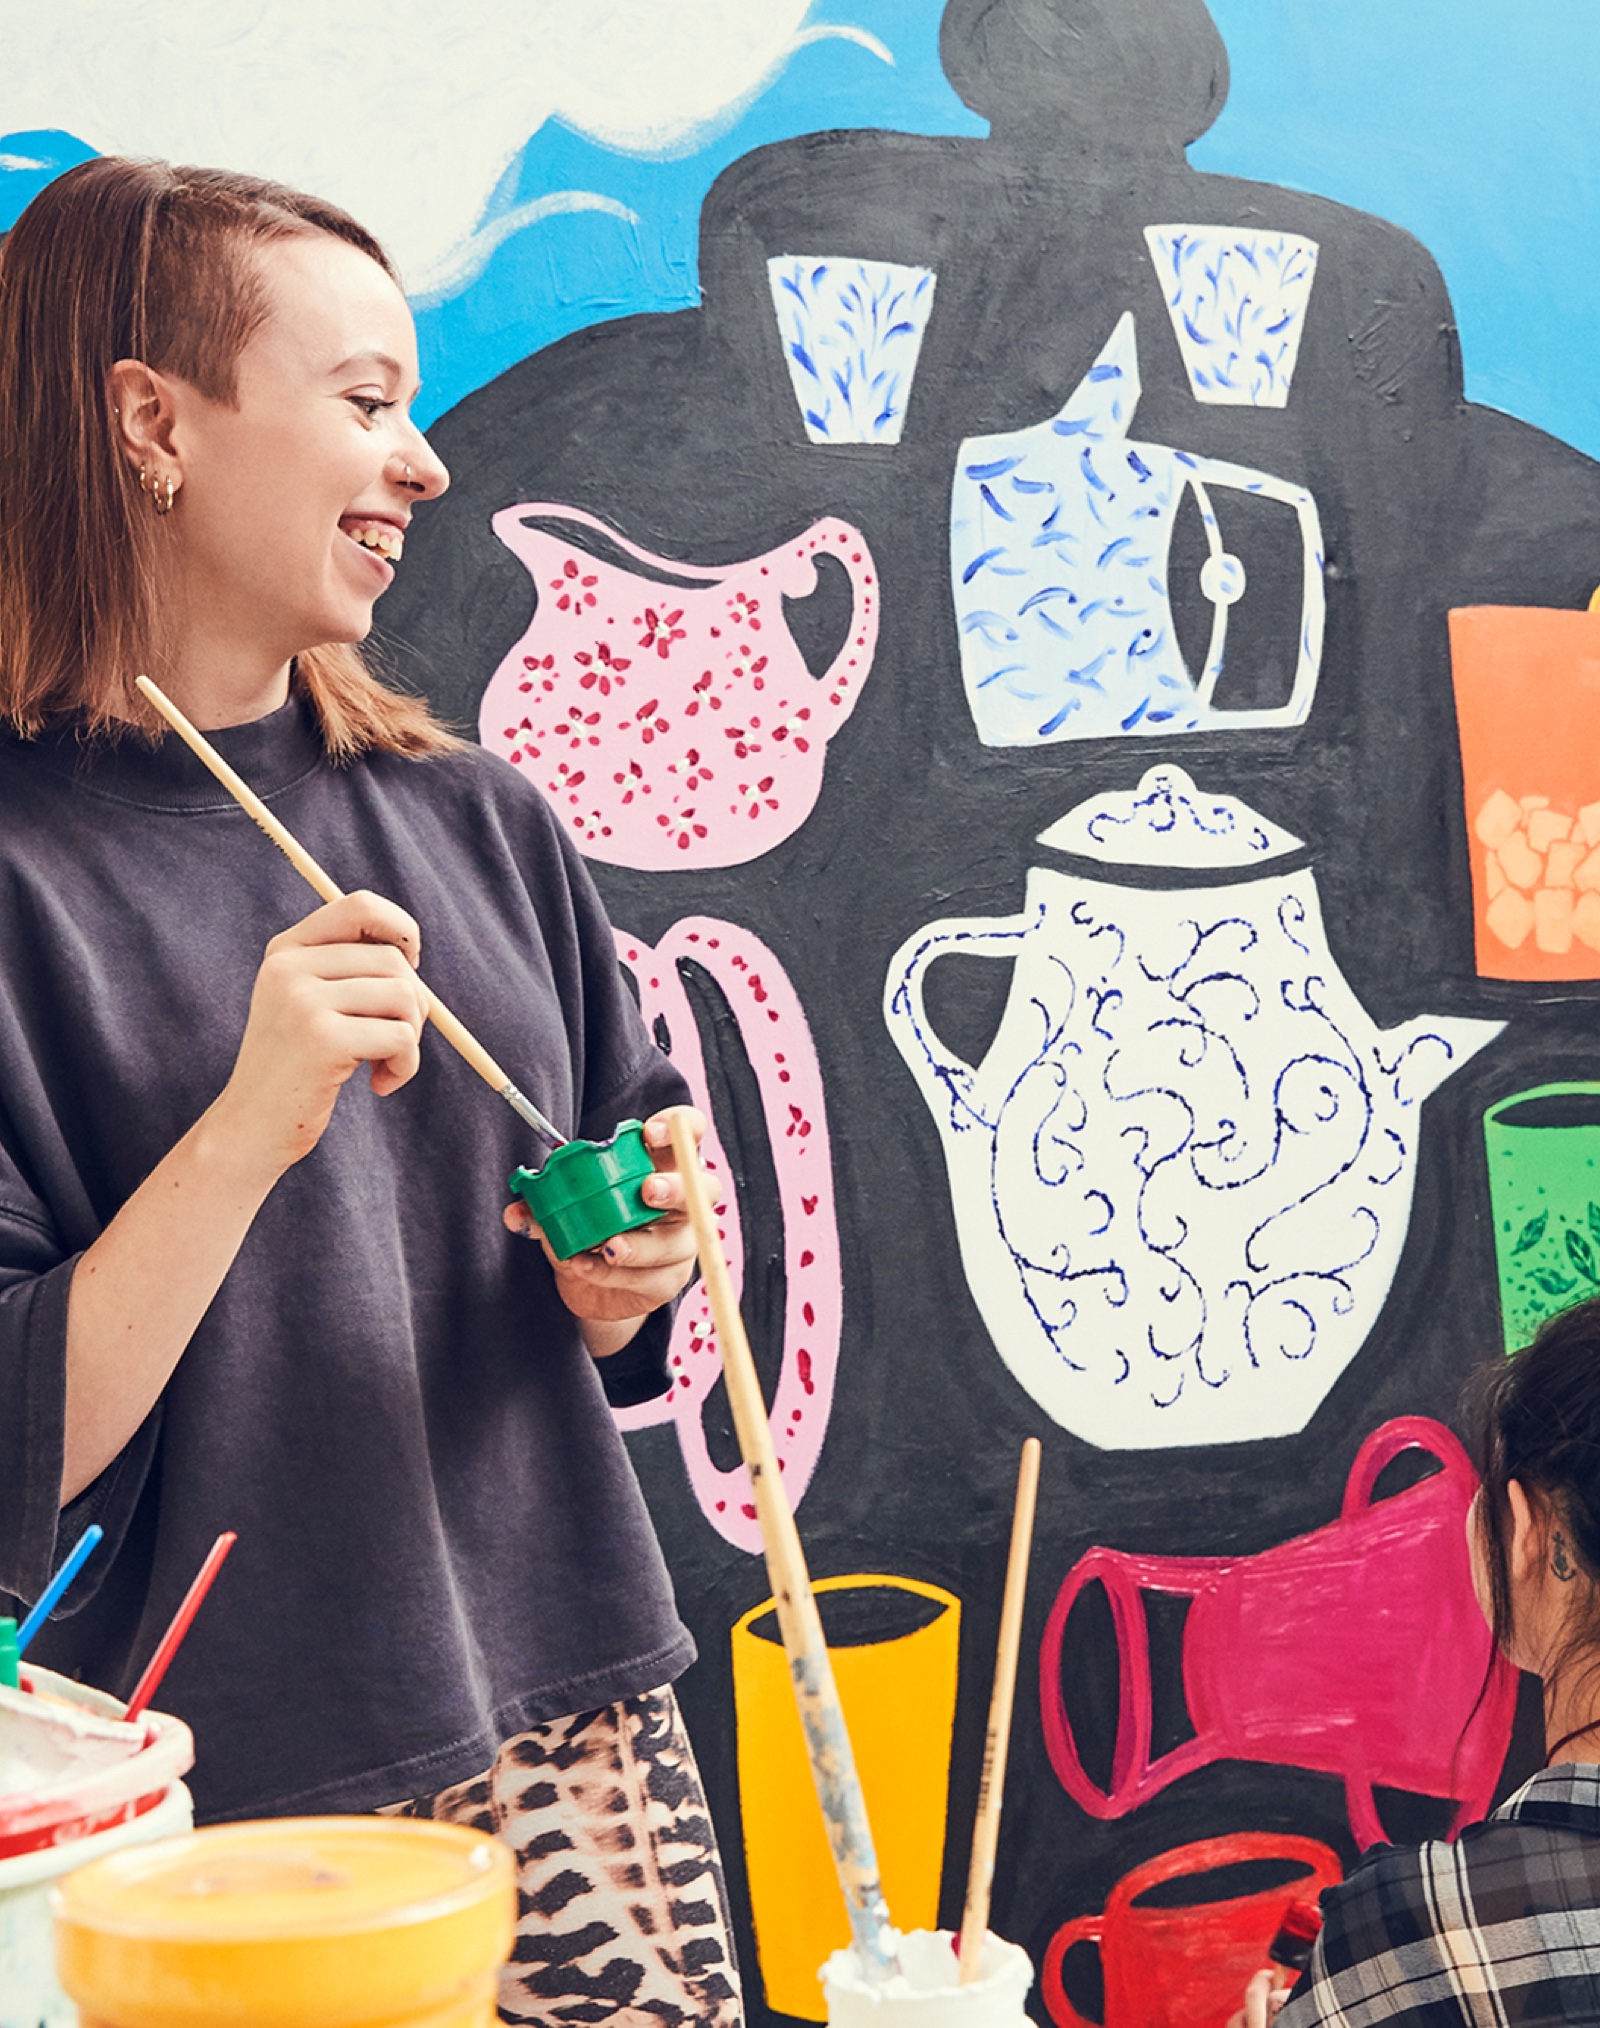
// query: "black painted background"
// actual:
[[682, 431]]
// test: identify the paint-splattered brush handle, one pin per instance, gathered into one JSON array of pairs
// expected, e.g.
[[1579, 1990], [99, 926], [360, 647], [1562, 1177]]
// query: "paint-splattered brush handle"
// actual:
[[833, 1766]]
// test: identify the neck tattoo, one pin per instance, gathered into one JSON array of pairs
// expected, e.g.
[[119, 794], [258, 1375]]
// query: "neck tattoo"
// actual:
[[1561, 1564]]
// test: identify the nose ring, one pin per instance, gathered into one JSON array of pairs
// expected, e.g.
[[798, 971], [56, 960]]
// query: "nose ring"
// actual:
[[408, 475]]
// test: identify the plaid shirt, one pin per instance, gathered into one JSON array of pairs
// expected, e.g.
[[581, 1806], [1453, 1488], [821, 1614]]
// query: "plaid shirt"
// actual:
[[1499, 1930]]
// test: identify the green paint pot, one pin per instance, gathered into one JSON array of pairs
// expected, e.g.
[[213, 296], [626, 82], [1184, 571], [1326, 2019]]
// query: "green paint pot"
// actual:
[[1544, 1185], [588, 1191]]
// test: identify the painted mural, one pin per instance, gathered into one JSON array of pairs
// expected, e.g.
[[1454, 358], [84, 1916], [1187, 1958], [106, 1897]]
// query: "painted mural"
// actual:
[[1067, 648]]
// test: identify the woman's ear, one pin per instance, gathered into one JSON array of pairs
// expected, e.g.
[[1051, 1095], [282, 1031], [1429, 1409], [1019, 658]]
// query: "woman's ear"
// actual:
[[144, 413], [1530, 1529]]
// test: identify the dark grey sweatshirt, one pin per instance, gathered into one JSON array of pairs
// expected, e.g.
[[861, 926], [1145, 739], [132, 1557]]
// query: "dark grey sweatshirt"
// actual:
[[441, 1539]]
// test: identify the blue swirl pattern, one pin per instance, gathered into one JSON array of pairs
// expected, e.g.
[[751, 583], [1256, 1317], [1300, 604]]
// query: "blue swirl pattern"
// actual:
[[1182, 1174]]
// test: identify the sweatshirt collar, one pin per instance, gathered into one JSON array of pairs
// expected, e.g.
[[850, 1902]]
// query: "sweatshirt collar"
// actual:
[[271, 753]]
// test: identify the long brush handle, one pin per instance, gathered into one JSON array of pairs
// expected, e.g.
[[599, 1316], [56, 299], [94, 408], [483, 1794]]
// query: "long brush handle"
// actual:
[[833, 1767], [992, 1786], [456, 1033]]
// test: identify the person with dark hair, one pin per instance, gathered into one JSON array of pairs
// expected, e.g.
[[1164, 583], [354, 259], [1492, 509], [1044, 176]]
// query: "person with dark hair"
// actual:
[[237, 1288], [1503, 1925]]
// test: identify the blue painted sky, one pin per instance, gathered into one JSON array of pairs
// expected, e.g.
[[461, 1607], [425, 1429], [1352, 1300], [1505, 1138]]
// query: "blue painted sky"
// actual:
[[1469, 122]]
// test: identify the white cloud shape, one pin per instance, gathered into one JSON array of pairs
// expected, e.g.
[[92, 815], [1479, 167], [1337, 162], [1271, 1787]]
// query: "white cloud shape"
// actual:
[[470, 257], [407, 115]]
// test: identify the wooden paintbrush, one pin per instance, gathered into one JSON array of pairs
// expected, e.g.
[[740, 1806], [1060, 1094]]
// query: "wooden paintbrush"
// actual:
[[456, 1033], [991, 1787], [833, 1767]]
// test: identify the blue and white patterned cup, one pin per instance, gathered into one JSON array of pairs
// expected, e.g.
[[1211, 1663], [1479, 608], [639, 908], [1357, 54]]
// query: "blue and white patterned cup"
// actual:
[[852, 332]]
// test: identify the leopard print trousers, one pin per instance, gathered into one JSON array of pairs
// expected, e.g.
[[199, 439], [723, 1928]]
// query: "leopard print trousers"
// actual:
[[622, 1914]]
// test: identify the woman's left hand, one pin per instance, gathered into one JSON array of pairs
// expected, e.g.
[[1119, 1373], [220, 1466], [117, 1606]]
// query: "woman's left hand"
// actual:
[[1263, 2002], [634, 1272]]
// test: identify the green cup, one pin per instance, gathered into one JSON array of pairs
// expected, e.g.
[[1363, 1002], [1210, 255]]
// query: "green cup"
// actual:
[[1544, 1186], [588, 1191]]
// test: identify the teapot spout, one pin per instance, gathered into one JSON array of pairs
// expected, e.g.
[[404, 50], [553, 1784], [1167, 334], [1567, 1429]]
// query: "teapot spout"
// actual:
[[1101, 406], [1417, 1057]]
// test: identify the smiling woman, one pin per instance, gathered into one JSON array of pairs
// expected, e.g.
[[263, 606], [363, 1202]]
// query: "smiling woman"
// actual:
[[237, 1280], [240, 314]]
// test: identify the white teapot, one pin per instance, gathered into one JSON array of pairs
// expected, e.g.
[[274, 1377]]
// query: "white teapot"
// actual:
[[1182, 1173]]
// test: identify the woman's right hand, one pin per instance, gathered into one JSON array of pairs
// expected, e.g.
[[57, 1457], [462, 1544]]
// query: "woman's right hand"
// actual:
[[338, 990], [1263, 2001]]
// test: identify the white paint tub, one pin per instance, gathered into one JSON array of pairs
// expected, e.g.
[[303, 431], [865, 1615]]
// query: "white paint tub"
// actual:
[[30, 1996], [925, 1992], [77, 1780]]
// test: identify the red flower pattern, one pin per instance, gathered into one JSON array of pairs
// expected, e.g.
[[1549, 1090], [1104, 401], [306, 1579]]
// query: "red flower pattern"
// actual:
[[660, 629]]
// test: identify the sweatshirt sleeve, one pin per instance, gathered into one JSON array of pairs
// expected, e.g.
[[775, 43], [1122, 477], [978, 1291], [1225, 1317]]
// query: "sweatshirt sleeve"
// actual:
[[35, 1277], [625, 1077]]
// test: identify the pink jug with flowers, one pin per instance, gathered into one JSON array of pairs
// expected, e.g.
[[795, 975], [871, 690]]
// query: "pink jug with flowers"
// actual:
[[670, 717]]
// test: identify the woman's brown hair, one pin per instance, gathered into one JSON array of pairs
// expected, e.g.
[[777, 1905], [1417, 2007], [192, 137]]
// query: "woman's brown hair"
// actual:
[[135, 260], [1538, 1422]]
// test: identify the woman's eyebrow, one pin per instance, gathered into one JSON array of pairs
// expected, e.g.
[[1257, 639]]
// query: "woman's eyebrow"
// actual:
[[382, 359]]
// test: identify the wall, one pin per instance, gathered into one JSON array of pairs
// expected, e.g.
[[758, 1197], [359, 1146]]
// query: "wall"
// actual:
[[1061, 1092]]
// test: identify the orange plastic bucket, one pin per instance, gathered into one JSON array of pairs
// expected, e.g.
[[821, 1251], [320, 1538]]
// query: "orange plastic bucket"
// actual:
[[302, 1922]]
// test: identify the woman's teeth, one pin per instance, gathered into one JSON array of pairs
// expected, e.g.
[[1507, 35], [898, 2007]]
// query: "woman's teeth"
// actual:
[[388, 542]]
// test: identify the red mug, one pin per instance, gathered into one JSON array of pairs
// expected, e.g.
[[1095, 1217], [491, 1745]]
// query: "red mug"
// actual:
[[1185, 1966]]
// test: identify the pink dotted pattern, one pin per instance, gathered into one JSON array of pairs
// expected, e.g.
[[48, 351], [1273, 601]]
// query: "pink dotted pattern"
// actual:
[[677, 724], [777, 1040]]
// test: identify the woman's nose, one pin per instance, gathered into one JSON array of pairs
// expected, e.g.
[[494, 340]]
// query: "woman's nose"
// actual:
[[421, 471]]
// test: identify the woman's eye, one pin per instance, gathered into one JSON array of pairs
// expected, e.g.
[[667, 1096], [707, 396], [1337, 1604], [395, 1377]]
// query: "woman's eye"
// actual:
[[370, 406]]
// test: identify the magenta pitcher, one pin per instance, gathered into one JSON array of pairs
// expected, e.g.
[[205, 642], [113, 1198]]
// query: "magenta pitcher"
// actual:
[[1358, 1651], [671, 719]]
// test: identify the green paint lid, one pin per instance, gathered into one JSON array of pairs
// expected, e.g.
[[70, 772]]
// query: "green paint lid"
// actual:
[[588, 1191]]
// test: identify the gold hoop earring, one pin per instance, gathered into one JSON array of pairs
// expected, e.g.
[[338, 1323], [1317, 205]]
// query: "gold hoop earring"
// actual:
[[159, 490]]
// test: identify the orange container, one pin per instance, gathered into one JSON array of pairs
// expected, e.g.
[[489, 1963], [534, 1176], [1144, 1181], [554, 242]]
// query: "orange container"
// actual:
[[302, 1922], [1527, 683]]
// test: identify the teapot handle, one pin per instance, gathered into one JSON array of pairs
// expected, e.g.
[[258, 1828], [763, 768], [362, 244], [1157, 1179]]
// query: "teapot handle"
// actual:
[[1313, 594], [944, 1080], [695, 1365], [849, 669]]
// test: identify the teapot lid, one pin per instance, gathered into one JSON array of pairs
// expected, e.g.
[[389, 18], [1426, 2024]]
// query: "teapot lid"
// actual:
[[1167, 821]]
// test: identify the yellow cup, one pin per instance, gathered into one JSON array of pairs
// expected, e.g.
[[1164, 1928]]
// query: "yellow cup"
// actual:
[[899, 1698], [301, 1922]]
